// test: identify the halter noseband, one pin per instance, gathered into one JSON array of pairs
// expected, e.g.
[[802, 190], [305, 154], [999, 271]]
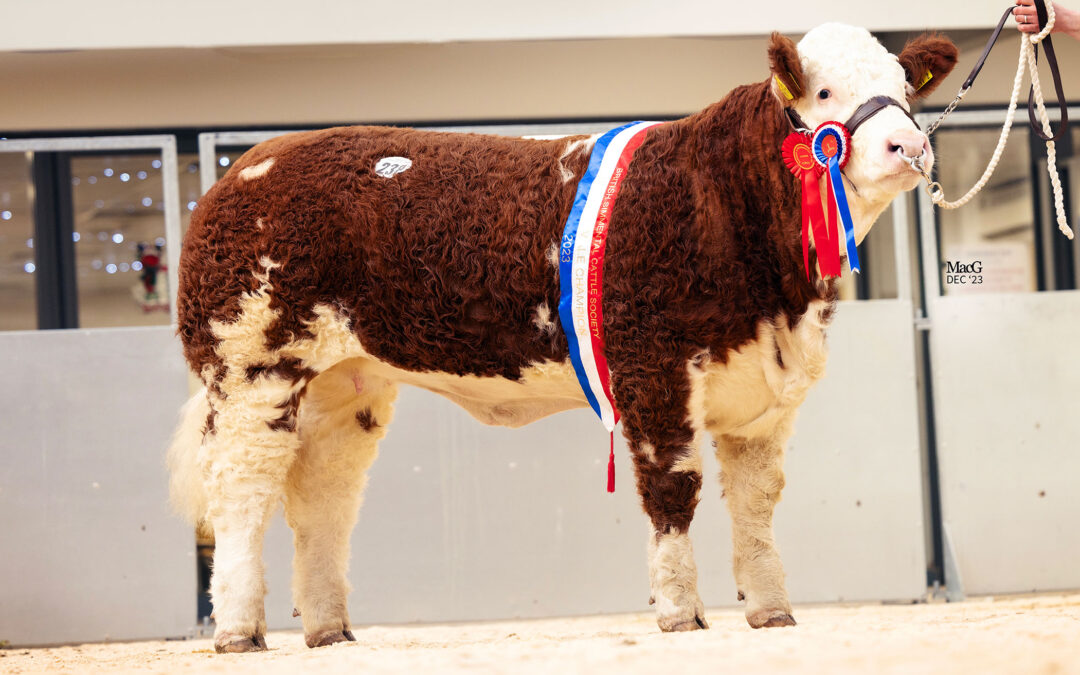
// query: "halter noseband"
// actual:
[[861, 114]]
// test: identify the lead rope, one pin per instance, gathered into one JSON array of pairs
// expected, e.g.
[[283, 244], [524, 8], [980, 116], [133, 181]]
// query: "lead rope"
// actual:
[[1051, 149], [1027, 57]]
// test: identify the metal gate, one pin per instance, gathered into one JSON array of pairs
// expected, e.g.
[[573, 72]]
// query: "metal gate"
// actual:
[[88, 548], [1004, 374]]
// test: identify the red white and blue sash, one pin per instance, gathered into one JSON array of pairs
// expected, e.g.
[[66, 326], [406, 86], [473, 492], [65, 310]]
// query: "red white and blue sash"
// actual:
[[581, 265]]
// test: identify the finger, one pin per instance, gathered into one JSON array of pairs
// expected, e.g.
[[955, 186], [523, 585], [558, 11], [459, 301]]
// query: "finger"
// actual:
[[1025, 17]]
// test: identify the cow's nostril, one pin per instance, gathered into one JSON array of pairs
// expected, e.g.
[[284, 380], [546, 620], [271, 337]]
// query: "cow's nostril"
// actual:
[[895, 148]]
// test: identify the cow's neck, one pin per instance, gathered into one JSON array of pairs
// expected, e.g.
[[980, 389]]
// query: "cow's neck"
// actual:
[[864, 212], [746, 198]]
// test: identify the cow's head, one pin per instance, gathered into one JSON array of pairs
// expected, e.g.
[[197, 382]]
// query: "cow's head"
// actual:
[[835, 69]]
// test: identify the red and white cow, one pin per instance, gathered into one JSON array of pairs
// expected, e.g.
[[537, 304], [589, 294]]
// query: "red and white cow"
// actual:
[[311, 285]]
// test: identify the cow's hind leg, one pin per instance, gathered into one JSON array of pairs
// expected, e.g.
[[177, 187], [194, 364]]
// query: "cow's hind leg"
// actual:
[[667, 465], [752, 477], [342, 417], [248, 449]]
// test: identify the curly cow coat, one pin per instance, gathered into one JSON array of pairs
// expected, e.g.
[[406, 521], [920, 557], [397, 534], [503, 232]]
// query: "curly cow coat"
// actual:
[[310, 285]]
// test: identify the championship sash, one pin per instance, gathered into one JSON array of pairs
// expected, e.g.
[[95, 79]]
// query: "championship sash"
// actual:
[[581, 269]]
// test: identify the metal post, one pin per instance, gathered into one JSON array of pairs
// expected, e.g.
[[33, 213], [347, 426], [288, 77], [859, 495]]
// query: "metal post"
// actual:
[[54, 250], [928, 234], [170, 182], [207, 161], [902, 248]]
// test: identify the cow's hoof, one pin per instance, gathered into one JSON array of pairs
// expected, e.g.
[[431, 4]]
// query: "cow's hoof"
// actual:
[[230, 643], [770, 618], [329, 637], [670, 626]]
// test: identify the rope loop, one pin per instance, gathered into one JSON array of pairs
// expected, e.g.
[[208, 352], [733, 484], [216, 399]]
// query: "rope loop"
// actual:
[[1028, 61]]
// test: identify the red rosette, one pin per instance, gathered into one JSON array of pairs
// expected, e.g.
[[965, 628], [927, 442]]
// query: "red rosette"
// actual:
[[798, 155]]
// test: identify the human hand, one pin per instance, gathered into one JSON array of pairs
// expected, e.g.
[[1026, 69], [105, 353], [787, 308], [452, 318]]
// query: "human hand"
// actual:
[[1027, 21]]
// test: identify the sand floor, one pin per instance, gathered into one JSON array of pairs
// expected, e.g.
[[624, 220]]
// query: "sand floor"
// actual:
[[1037, 634]]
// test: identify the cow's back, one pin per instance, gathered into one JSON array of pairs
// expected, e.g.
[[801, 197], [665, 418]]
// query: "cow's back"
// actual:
[[444, 266]]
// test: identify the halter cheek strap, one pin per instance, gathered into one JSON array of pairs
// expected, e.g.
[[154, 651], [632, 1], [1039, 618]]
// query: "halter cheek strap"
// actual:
[[861, 114], [873, 107]]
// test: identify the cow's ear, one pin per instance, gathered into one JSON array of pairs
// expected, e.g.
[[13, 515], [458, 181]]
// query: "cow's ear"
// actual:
[[788, 82], [927, 59]]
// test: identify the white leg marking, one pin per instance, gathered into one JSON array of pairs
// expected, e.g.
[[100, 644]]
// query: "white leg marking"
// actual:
[[257, 170], [673, 580]]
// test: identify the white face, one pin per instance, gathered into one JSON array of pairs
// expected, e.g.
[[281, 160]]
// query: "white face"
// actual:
[[844, 67]]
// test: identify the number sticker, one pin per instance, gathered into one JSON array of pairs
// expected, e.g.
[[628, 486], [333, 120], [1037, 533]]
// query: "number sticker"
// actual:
[[388, 167]]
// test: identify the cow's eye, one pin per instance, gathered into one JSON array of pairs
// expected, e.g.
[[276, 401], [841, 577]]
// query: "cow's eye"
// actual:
[[824, 94]]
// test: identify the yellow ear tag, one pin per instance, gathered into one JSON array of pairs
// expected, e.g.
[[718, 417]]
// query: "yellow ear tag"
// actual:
[[783, 89], [925, 78]]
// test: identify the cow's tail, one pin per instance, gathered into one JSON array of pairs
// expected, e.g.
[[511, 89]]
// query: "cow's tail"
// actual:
[[186, 489]]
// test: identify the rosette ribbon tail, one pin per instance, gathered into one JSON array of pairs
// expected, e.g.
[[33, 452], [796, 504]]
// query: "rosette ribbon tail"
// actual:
[[824, 244], [836, 192], [833, 219], [809, 183]]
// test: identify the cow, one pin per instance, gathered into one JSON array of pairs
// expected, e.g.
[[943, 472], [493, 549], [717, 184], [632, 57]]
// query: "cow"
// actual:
[[326, 268]]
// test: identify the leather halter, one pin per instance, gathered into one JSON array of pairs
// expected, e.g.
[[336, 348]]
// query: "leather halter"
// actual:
[[861, 114]]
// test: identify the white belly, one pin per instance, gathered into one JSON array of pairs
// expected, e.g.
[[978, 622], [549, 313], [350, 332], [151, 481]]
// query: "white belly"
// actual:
[[544, 389]]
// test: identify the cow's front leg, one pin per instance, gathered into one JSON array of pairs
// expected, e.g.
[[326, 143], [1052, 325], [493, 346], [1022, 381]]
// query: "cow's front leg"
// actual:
[[752, 477], [667, 465]]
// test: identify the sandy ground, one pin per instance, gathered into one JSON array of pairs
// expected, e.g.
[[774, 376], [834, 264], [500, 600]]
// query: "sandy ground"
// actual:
[[1039, 634]]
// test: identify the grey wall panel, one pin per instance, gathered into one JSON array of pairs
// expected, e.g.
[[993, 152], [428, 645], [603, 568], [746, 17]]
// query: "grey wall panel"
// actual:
[[464, 521], [88, 547], [1005, 397], [851, 524]]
